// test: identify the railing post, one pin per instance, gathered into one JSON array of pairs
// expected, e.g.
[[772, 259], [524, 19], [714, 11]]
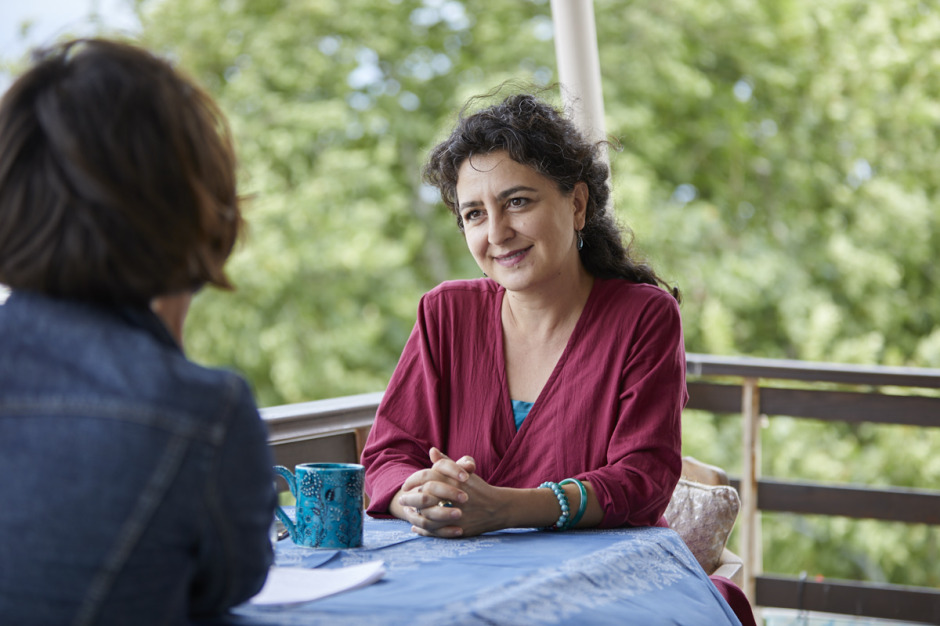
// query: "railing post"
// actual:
[[362, 434], [751, 550]]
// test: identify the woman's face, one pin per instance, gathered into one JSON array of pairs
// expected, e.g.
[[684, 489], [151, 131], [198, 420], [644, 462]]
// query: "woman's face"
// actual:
[[519, 227]]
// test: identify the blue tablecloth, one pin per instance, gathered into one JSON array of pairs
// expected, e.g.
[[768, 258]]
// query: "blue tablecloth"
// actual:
[[641, 576]]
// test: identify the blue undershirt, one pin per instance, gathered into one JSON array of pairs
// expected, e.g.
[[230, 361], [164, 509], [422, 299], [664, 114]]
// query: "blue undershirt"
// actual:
[[520, 410]]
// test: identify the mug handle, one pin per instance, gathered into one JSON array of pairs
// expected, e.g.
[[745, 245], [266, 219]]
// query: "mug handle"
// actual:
[[286, 474]]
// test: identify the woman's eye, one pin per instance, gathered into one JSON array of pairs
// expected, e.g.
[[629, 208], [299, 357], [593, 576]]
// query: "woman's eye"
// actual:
[[472, 215], [518, 202]]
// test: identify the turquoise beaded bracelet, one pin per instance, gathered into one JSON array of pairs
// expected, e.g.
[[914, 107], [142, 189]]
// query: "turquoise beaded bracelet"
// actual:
[[562, 522], [582, 507]]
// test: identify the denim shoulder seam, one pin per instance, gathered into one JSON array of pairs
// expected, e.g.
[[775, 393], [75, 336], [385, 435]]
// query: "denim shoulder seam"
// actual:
[[144, 413]]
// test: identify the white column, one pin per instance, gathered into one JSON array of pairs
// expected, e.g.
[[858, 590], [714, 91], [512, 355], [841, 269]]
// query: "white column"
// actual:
[[579, 68]]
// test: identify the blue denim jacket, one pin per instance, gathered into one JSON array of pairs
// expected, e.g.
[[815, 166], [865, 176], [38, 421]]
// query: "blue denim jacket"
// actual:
[[136, 487]]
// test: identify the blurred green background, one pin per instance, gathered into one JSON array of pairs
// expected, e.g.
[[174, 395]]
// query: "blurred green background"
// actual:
[[778, 162]]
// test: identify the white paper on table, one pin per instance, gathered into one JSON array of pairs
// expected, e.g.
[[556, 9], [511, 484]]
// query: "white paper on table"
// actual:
[[293, 585]]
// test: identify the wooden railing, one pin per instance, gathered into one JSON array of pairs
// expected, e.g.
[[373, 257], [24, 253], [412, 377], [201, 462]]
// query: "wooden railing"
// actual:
[[335, 429], [763, 388]]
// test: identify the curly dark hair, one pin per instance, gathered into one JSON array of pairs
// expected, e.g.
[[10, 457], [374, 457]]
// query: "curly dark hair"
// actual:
[[536, 134]]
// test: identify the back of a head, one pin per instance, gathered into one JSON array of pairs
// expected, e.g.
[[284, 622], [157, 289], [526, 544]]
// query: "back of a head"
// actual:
[[117, 177]]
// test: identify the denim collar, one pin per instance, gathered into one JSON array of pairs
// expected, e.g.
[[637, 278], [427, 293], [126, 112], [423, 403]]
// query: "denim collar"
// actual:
[[139, 316]]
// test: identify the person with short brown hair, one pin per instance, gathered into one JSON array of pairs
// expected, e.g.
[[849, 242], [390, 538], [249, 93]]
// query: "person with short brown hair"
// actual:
[[118, 178], [138, 485]]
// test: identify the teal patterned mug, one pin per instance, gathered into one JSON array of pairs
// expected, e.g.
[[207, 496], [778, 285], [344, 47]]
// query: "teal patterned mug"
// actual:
[[329, 504]]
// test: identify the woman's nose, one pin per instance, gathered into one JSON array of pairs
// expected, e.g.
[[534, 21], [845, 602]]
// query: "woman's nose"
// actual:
[[500, 229]]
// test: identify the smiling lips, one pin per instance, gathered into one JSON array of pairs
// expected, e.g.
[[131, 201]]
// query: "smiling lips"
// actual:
[[513, 258]]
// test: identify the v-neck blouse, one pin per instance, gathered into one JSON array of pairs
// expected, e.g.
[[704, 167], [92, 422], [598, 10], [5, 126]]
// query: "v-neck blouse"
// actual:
[[609, 412]]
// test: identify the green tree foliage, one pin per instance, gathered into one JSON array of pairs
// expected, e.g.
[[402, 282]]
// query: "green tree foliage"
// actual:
[[779, 163], [776, 163], [334, 105]]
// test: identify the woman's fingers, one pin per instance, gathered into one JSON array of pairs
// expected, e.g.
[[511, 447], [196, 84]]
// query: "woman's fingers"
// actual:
[[432, 497], [436, 516], [468, 464], [447, 466], [432, 494], [434, 521], [416, 480], [427, 488], [419, 479], [446, 532], [444, 469]]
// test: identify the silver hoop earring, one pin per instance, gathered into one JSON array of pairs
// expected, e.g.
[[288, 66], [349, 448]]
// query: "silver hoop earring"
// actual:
[[580, 240]]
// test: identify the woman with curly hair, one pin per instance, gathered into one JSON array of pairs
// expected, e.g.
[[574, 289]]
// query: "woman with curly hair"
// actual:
[[565, 361]]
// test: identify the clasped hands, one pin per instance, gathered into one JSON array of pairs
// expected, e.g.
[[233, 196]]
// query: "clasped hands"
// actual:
[[449, 499]]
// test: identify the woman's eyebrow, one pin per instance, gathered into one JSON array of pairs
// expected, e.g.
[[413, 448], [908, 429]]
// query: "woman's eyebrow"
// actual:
[[502, 196], [513, 190]]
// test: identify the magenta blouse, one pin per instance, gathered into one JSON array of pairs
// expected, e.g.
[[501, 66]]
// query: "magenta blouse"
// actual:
[[609, 413]]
